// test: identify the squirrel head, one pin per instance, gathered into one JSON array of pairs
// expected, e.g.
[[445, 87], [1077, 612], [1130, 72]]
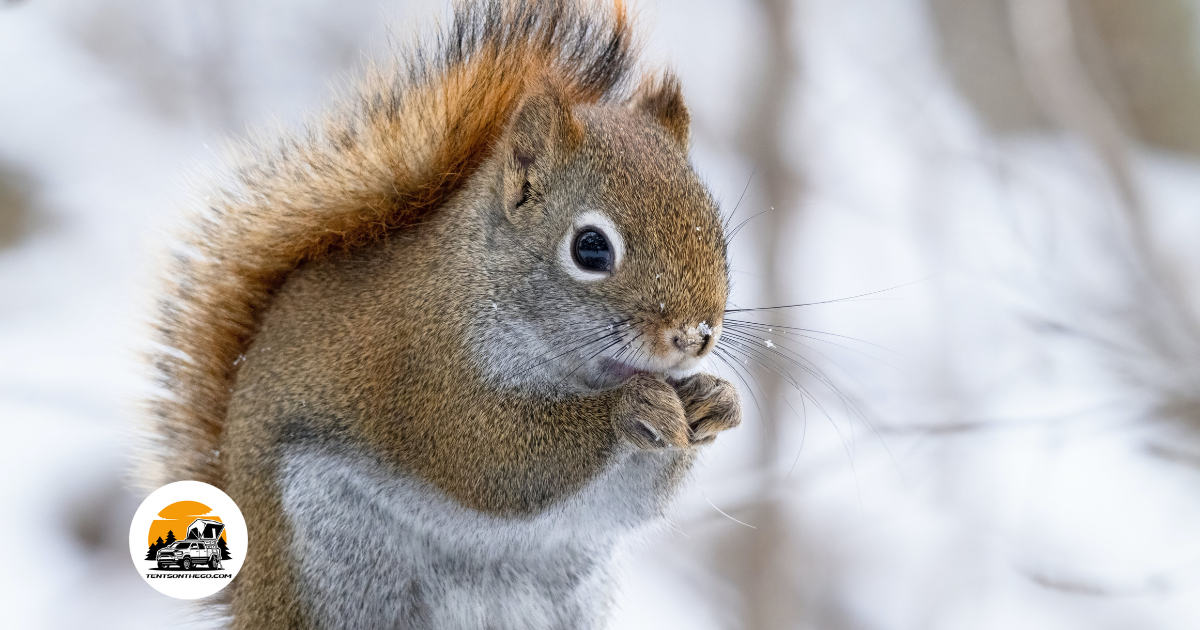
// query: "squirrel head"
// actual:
[[607, 253]]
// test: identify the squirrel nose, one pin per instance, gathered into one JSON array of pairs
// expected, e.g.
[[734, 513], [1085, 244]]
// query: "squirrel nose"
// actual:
[[692, 340]]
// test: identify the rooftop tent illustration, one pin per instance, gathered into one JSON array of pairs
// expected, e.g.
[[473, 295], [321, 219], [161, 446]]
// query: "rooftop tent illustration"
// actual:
[[205, 529]]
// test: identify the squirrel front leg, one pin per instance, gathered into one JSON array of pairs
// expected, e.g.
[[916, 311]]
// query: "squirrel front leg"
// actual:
[[652, 413]]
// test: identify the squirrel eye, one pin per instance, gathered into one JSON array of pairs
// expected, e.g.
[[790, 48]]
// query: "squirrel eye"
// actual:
[[592, 251]]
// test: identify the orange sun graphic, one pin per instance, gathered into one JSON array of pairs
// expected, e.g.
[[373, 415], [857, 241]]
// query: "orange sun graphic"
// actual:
[[176, 517]]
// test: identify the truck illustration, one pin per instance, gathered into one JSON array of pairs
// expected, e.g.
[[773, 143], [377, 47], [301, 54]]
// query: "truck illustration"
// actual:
[[200, 547]]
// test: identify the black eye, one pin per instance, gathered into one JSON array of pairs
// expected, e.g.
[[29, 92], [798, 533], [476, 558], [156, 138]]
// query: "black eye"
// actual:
[[592, 251]]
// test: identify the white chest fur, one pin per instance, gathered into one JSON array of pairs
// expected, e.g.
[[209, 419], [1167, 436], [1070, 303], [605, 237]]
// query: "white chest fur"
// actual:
[[375, 550]]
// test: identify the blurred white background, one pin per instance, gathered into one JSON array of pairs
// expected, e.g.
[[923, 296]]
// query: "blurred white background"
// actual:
[[1008, 436]]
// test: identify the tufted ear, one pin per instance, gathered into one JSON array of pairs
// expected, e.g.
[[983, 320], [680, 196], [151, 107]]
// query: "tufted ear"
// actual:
[[542, 131], [662, 98]]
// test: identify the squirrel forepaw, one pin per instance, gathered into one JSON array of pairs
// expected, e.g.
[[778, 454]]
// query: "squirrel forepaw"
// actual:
[[654, 414], [711, 406], [650, 415]]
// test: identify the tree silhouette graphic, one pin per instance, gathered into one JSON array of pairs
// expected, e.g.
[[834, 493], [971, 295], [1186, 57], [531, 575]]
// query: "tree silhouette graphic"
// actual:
[[153, 553], [224, 550], [170, 536]]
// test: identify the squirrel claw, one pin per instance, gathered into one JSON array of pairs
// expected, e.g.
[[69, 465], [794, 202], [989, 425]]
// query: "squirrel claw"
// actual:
[[650, 415], [711, 406]]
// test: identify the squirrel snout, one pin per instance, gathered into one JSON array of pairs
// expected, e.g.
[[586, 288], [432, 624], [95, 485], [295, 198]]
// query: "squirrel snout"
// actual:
[[693, 340]]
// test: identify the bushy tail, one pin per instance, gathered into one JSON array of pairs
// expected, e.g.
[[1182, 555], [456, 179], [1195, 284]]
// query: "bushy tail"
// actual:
[[392, 154]]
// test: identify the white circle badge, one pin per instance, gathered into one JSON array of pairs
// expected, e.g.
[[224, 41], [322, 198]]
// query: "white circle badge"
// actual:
[[188, 539]]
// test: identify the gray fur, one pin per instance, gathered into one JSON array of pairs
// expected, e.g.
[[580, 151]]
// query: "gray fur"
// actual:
[[376, 550]]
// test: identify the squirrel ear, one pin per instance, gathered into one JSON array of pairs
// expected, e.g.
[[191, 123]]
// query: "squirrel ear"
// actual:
[[662, 98], [542, 128]]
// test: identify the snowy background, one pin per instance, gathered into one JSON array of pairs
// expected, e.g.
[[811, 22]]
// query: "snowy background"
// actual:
[[1005, 433]]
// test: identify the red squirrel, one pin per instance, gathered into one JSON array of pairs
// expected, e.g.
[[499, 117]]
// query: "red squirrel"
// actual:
[[442, 348]]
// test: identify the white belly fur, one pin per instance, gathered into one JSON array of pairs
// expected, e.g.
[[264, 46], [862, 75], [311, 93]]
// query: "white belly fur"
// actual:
[[375, 550]]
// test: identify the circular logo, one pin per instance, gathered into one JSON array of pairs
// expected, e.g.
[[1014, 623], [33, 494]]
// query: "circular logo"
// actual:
[[188, 539]]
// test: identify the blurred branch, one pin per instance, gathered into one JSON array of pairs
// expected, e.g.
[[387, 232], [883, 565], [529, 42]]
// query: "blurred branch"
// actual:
[[1047, 49], [1164, 328], [763, 140], [16, 192], [976, 45], [1178, 577], [1143, 57], [1047, 52], [767, 584]]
